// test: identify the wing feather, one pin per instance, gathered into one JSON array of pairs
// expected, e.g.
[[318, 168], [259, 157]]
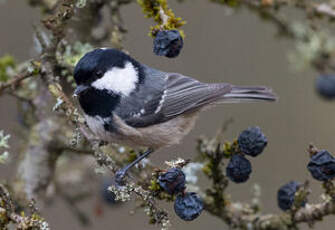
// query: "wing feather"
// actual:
[[184, 94], [174, 95], [166, 95]]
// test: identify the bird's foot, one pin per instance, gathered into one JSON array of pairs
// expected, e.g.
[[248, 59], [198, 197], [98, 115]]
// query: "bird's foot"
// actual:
[[120, 174], [119, 177]]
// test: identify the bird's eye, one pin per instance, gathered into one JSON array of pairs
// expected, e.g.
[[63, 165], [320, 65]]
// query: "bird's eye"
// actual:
[[98, 73]]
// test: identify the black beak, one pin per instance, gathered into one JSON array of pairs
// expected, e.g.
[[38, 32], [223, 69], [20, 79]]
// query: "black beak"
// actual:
[[79, 90]]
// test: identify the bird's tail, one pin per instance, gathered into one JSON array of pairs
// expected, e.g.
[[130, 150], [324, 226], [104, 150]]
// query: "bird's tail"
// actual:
[[249, 94]]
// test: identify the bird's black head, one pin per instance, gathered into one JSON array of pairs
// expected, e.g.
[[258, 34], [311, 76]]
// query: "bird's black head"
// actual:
[[103, 76], [112, 67]]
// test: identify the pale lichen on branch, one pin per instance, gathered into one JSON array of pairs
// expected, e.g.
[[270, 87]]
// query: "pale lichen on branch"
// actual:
[[3, 147]]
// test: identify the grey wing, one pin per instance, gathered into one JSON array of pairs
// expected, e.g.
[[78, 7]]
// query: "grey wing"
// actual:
[[185, 94], [177, 94]]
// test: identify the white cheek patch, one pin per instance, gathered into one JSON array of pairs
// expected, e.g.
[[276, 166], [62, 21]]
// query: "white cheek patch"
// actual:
[[118, 80]]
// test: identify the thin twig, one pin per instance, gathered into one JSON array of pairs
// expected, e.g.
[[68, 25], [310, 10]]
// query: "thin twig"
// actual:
[[15, 81]]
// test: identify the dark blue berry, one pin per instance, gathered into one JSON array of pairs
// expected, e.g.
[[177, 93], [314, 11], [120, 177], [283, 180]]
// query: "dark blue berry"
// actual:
[[238, 169], [322, 166], [252, 141], [108, 196], [172, 181], [188, 206], [168, 43], [325, 86], [286, 195]]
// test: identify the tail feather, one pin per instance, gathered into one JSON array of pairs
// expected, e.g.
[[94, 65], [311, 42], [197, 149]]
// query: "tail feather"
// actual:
[[249, 93]]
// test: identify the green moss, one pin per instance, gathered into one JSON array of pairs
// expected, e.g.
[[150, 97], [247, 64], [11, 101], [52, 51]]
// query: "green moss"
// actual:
[[132, 156], [207, 169], [230, 148], [36, 67], [151, 9], [160, 194], [154, 185], [6, 62], [37, 217]]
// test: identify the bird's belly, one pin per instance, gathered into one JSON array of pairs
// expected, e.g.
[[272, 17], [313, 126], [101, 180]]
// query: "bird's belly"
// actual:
[[170, 132], [96, 125], [156, 136], [123, 134]]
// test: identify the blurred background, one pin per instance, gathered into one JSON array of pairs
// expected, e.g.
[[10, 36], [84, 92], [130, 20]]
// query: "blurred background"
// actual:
[[220, 45]]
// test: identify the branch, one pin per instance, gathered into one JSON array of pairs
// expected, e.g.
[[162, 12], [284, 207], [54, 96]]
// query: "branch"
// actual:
[[13, 84], [7, 209], [325, 9]]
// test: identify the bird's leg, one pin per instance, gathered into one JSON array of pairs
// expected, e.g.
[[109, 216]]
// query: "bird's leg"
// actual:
[[120, 174]]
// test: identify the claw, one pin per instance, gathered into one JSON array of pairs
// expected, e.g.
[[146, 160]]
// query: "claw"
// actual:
[[119, 177]]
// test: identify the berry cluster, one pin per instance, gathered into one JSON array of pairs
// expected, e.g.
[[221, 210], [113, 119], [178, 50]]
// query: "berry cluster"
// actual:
[[250, 142], [322, 168], [187, 206], [168, 43], [286, 195]]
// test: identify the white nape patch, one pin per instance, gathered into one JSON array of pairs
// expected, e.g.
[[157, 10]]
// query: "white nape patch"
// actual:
[[118, 80], [103, 48]]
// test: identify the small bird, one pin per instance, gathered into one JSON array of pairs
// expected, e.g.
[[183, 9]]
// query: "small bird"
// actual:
[[132, 104]]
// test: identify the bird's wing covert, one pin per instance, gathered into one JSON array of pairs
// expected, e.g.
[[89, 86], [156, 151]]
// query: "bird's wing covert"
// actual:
[[183, 94]]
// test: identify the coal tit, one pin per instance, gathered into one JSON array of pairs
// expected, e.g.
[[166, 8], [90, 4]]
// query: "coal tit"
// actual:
[[132, 104]]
